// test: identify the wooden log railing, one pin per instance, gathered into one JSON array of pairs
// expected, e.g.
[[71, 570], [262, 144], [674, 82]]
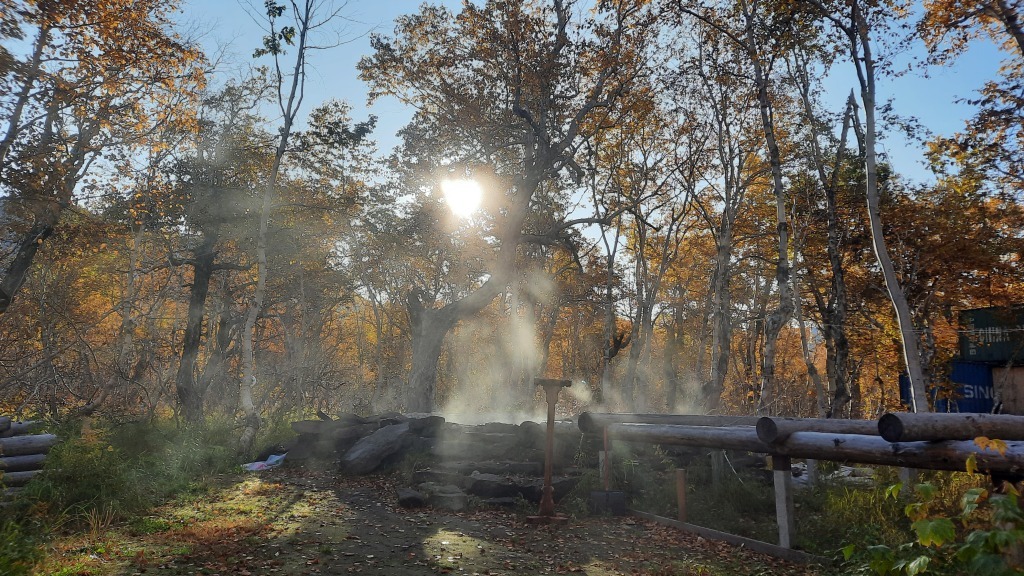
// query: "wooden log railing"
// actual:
[[22, 454], [774, 430], [920, 441], [595, 422], [907, 427]]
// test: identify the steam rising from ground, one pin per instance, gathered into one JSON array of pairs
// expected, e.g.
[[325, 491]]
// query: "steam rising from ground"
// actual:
[[495, 360]]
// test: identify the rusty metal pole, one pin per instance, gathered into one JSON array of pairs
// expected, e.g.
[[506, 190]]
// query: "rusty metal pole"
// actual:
[[546, 513]]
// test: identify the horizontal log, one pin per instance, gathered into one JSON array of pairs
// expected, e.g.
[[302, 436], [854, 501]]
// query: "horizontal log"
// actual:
[[774, 430], [21, 428], [723, 438], [22, 463], [5, 423], [912, 427], [947, 455], [16, 479], [22, 445], [595, 422]]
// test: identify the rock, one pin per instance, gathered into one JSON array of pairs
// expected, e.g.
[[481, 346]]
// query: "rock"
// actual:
[[445, 496], [427, 425], [273, 449], [491, 486], [369, 452], [533, 489], [308, 426], [535, 468], [440, 477], [498, 428], [509, 502], [409, 498], [350, 419], [476, 446]]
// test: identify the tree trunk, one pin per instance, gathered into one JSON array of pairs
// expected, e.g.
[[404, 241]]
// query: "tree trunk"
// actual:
[[17, 270], [780, 316], [190, 398], [429, 328], [834, 311], [911, 349], [721, 325]]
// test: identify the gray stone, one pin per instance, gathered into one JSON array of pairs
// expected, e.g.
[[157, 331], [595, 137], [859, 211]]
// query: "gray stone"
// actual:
[[445, 496], [409, 498], [429, 425], [370, 452], [491, 486], [440, 477]]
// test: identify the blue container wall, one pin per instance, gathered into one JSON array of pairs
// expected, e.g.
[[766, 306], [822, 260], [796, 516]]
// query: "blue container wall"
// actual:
[[975, 390]]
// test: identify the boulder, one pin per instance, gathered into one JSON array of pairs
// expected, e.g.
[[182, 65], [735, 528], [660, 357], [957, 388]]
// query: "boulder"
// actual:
[[509, 468], [440, 477], [533, 489], [476, 446], [499, 428], [491, 486], [426, 425], [370, 452], [409, 498], [455, 501]]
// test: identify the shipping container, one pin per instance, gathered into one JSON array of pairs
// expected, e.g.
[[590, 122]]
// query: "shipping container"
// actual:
[[972, 389], [992, 335]]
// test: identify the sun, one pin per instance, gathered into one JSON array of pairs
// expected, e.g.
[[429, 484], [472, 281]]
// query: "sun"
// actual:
[[463, 196]]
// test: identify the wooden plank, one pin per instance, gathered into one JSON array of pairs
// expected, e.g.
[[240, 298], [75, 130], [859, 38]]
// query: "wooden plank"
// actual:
[[782, 471], [773, 430], [756, 545], [681, 494], [930, 426], [594, 422]]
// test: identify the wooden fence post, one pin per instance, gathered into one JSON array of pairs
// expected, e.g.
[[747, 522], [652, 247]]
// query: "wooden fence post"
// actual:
[[681, 493], [783, 473]]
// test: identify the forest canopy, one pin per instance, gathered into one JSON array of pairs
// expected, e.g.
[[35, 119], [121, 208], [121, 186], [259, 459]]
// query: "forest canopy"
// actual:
[[672, 211]]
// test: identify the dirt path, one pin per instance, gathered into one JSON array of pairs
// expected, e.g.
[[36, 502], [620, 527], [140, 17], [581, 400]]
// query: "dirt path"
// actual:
[[301, 523]]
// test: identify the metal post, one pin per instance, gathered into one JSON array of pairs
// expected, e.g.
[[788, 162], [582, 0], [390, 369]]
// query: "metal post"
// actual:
[[546, 513]]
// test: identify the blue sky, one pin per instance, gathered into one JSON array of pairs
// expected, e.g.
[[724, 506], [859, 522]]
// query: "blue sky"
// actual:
[[333, 73]]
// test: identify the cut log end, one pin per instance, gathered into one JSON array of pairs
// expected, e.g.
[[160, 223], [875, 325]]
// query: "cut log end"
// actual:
[[890, 427], [767, 430]]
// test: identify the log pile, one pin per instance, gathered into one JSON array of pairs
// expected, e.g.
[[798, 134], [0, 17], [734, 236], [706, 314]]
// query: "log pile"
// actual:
[[22, 454]]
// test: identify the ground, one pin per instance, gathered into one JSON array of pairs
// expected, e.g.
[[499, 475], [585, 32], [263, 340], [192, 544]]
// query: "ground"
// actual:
[[292, 522]]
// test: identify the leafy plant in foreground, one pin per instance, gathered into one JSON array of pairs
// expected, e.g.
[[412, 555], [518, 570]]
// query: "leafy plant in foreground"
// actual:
[[985, 537]]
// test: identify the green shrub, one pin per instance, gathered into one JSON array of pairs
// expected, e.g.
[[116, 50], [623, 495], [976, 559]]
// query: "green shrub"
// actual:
[[19, 548], [985, 536], [127, 469]]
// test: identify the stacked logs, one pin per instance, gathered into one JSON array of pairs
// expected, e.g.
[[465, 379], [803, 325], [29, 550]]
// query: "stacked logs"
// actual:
[[22, 453]]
